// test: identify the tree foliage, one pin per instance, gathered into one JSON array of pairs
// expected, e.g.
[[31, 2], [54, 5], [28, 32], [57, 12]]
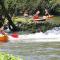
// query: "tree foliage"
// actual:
[[31, 5], [6, 14], [17, 6]]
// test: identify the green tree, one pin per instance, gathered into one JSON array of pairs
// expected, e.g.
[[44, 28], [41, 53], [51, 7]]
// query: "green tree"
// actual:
[[31, 5], [5, 12]]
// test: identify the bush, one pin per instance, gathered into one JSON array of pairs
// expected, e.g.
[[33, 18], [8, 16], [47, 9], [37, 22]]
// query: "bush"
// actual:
[[38, 27], [5, 56]]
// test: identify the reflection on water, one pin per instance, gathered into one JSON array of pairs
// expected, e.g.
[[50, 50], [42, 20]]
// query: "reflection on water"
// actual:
[[33, 51]]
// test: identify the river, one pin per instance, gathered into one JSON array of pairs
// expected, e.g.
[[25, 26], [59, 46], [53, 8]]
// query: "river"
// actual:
[[33, 51]]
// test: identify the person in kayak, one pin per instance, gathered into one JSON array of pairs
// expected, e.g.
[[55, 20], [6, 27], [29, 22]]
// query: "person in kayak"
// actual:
[[46, 12], [36, 16], [15, 34], [2, 31]]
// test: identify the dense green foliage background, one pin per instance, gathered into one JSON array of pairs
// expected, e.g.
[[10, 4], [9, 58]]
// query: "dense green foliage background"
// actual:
[[8, 8], [19, 6]]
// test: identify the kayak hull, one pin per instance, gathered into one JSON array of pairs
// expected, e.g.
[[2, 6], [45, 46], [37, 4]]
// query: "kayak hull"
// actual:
[[3, 38]]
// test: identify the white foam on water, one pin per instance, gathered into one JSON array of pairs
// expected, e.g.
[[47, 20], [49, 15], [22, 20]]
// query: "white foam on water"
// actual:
[[49, 36]]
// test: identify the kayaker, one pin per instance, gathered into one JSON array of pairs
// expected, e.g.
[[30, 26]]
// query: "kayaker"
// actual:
[[46, 12], [47, 15], [36, 16], [2, 31], [15, 34]]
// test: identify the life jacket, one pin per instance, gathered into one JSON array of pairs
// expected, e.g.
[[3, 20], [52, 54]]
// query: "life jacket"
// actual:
[[36, 17], [15, 35]]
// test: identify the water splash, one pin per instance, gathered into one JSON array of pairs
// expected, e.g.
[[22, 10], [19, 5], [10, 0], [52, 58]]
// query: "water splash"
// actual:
[[49, 35]]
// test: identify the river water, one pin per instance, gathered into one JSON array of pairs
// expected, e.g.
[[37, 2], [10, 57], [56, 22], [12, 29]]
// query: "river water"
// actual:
[[33, 50]]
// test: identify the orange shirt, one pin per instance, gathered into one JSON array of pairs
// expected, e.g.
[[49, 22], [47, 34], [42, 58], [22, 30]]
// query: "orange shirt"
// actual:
[[36, 17]]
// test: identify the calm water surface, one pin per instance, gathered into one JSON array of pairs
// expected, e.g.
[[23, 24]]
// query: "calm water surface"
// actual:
[[33, 51]]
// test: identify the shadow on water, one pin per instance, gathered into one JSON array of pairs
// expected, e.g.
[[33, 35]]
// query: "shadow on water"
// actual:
[[33, 51]]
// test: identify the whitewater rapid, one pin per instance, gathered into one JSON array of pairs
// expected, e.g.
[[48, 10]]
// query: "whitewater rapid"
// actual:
[[48, 36]]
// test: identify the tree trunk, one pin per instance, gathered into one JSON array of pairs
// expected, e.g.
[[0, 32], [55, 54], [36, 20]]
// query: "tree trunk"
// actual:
[[8, 17]]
